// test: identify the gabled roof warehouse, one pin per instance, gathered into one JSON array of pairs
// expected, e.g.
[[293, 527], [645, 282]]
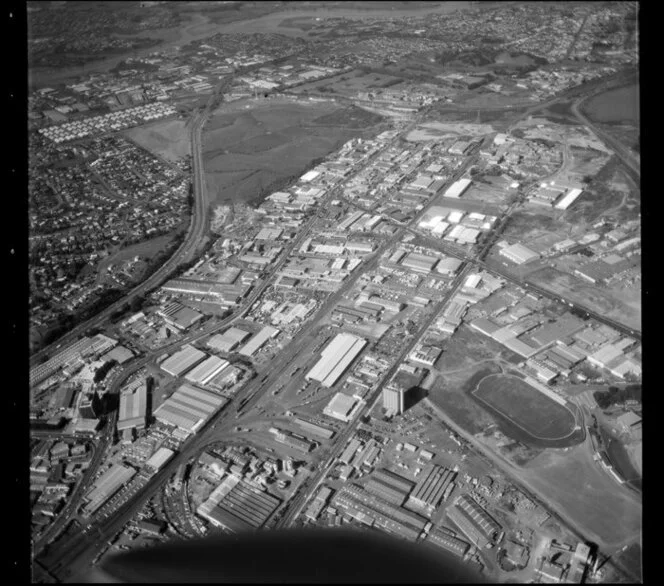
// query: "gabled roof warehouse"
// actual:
[[183, 360], [189, 408], [336, 358]]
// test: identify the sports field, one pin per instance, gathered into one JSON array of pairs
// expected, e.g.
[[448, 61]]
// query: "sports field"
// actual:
[[251, 148], [526, 407]]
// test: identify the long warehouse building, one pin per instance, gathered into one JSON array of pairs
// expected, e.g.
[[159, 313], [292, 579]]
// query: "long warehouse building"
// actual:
[[207, 370], [189, 408], [336, 358], [258, 340], [133, 408], [183, 360], [106, 486]]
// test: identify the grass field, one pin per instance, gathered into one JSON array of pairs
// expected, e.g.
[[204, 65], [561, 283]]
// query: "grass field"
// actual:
[[607, 512], [168, 139], [248, 148], [526, 407]]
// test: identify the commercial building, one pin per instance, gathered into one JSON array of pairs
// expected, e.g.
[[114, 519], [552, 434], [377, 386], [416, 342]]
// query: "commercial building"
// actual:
[[106, 486], [393, 400], [336, 358], [207, 370], [189, 408], [183, 360], [341, 407], [133, 408], [258, 340], [229, 340], [89, 406]]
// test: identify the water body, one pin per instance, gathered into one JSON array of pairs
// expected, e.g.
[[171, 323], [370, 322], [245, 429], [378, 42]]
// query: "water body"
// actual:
[[619, 105], [201, 28], [519, 59]]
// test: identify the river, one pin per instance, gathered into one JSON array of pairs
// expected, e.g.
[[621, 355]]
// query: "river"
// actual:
[[200, 27]]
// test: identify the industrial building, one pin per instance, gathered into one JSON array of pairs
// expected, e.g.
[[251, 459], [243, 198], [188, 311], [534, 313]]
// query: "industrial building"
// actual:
[[480, 527], [419, 262], [519, 254], [373, 510], [258, 340], [448, 266], [350, 450], [448, 542], [314, 428], [159, 458], [133, 408], [229, 340], [341, 407], [336, 358], [106, 486], [457, 188], [293, 440], [389, 486], [236, 506], [207, 370], [568, 199], [189, 408], [434, 485], [183, 360]]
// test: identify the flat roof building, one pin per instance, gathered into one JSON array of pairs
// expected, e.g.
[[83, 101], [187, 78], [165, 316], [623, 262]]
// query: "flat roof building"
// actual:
[[341, 407], [519, 254]]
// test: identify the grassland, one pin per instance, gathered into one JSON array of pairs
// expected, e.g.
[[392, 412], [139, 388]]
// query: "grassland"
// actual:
[[576, 486], [526, 407], [253, 148], [168, 139]]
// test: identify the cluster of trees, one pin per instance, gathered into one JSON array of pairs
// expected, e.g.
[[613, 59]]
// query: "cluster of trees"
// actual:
[[617, 396]]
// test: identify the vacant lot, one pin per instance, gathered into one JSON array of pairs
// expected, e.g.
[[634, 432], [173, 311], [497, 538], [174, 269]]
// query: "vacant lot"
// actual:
[[526, 407], [168, 139], [586, 495], [251, 149], [622, 304]]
